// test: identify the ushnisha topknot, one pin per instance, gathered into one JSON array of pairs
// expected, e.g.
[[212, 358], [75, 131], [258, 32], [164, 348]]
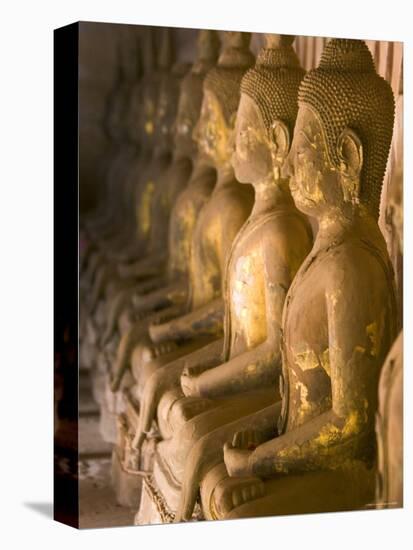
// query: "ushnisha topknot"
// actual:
[[274, 81], [224, 80], [345, 91], [207, 54]]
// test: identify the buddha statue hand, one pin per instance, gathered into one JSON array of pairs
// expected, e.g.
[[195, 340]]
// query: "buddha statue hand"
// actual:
[[164, 316], [159, 329], [116, 307], [237, 454], [158, 350], [160, 319]]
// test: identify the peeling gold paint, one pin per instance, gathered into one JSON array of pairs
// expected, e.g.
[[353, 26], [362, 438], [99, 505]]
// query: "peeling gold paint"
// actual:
[[325, 361], [149, 127], [353, 424], [305, 405], [248, 296], [372, 333], [144, 208], [307, 360], [328, 435]]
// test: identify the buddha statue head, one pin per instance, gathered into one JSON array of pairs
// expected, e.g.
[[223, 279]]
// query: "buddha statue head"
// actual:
[[190, 99], [267, 112], [342, 135], [214, 130], [171, 75]]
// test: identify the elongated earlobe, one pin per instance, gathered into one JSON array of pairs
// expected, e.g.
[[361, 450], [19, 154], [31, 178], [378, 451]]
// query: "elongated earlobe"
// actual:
[[280, 142], [350, 153]]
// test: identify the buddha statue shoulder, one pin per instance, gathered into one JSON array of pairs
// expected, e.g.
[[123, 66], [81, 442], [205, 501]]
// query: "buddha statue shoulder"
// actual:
[[339, 317]]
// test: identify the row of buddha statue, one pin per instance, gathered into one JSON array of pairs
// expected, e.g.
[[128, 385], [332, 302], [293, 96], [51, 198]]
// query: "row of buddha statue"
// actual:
[[237, 301]]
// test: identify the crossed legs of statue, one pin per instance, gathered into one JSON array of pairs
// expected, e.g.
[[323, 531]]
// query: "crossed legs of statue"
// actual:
[[225, 497]]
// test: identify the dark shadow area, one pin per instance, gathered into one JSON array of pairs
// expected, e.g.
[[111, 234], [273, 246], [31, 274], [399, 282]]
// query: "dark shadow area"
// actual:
[[43, 508]]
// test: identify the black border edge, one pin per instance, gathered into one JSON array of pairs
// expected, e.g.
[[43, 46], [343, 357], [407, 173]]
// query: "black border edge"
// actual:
[[65, 248]]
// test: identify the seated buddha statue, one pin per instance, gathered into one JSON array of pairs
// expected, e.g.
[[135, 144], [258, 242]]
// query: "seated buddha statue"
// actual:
[[130, 84], [150, 271], [339, 317], [103, 218], [215, 229], [264, 258], [161, 167], [147, 88], [389, 420], [182, 218], [114, 203], [97, 259], [126, 239], [188, 203]]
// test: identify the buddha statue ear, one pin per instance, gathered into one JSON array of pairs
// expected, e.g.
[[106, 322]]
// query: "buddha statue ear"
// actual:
[[279, 142], [350, 154]]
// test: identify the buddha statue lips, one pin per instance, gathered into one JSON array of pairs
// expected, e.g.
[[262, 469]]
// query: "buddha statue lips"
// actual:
[[339, 317], [263, 258]]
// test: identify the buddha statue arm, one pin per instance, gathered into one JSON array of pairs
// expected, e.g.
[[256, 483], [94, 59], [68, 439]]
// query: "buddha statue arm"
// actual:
[[346, 429], [127, 345], [251, 370], [146, 267], [258, 366], [174, 293], [203, 321], [103, 276], [167, 377], [143, 297]]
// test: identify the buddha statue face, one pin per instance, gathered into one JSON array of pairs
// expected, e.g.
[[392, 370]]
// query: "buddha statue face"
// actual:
[[148, 122], [184, 126], [252, 158], [320, 188], [258, 153], [212, 133], [145, 114], [164, 121]]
